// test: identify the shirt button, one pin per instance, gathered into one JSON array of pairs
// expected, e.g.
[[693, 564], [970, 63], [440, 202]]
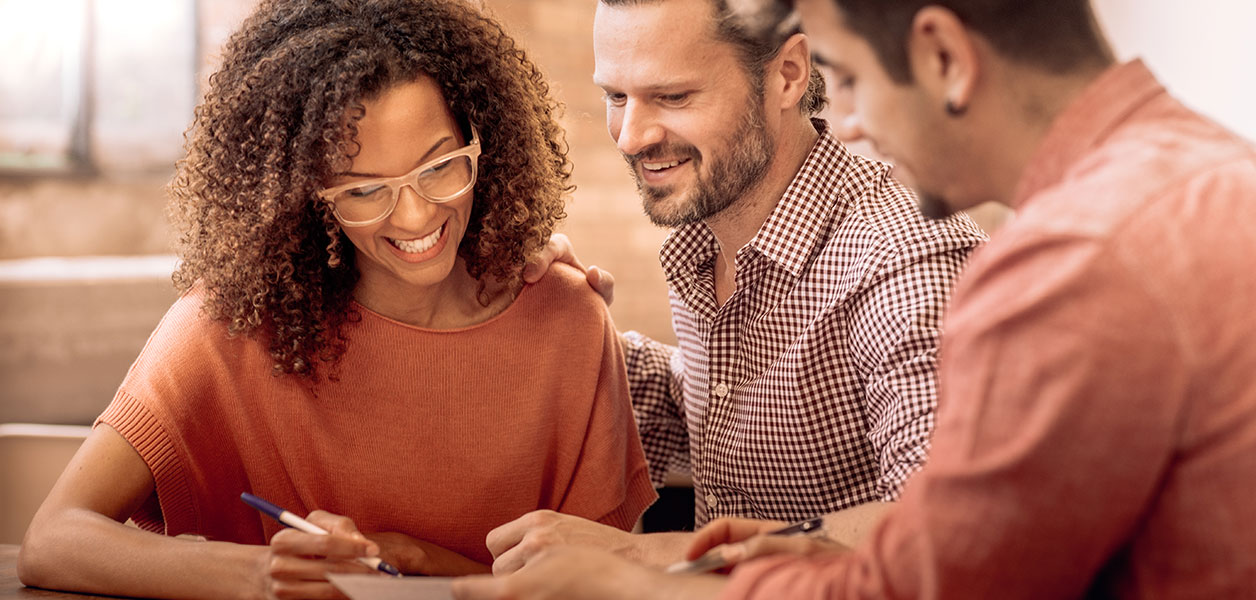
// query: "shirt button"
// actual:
[[721, 390], [712, 501]]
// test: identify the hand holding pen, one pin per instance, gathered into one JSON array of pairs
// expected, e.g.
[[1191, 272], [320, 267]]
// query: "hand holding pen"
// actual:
[[296, 522], [726, 542]]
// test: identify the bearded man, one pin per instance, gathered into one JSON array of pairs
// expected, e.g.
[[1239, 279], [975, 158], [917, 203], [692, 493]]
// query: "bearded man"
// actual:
[[806, 288]]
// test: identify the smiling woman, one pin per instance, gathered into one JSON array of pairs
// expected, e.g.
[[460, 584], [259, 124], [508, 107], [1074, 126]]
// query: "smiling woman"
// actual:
[[406, 222], [362, 186]]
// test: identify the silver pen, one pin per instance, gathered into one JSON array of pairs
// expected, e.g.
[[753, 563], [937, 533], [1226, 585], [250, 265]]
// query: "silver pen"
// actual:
[[714, 559]]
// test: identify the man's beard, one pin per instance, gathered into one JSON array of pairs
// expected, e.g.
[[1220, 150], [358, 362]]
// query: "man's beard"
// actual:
[[933, 206], [732, 174]]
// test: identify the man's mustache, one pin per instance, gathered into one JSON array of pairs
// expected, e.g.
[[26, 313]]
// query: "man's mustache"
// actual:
[[658, 151]]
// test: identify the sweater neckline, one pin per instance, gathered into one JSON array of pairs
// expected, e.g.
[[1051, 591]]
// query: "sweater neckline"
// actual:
[[482, 324]]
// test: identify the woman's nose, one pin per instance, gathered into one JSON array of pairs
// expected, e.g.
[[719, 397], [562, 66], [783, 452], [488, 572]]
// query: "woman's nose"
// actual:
[[412, 210]]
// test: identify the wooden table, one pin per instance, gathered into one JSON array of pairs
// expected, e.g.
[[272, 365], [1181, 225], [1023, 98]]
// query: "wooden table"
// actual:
[[10, 587]]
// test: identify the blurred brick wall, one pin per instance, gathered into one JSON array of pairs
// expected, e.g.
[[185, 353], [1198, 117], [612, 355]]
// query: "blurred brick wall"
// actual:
[[604, 220], [121, 211]]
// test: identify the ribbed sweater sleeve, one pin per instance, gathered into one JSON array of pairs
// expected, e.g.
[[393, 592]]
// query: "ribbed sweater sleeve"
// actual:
[[130, 418], [603, 464]]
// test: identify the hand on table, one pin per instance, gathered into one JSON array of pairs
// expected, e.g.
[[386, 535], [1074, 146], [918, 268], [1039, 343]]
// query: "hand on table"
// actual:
[[416, 557], [518, 542], [573, 573], [559, 249]]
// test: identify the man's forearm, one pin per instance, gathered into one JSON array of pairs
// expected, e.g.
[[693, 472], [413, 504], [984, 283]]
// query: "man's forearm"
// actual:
[[657, 405], [849, 526], [658, 549]]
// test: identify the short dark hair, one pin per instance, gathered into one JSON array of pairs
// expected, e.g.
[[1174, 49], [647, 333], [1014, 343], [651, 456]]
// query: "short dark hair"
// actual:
[[1055, 35], [753, 50]]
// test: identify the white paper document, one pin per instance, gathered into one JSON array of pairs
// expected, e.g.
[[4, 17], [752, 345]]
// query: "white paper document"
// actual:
[[378, 587]]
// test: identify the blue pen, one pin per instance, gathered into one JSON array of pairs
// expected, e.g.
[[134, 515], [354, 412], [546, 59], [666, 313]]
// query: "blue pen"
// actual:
[[300, 524]]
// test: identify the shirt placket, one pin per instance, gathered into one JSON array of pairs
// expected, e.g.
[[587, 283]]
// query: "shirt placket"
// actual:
[[724, 375]]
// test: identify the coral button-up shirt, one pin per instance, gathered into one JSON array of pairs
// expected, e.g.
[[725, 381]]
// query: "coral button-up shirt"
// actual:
[[1096, 433]]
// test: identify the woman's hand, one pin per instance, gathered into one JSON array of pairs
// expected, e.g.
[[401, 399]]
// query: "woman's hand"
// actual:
[[416, 557], [296, 563]]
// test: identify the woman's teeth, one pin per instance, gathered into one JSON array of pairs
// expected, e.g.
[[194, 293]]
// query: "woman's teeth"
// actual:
[[420, 245]]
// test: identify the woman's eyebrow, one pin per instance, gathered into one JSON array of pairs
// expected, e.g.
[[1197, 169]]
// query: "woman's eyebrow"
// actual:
[[421, 160]]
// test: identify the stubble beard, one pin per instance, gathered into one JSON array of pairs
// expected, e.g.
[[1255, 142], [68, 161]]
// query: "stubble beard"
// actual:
[[933, 206], [732, 175]]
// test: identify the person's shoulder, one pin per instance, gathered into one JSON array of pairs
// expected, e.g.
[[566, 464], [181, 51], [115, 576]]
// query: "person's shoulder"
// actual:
[[188, 355], [564, 280], [566, 289], [187, 331], [188, 316], [884, 211], [1126, 204], [1152, 172]]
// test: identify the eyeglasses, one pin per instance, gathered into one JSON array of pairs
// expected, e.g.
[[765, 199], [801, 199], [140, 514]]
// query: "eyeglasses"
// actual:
[[439, 180]]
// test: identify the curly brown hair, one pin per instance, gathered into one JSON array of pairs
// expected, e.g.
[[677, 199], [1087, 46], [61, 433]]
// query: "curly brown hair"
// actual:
[[278, 121]]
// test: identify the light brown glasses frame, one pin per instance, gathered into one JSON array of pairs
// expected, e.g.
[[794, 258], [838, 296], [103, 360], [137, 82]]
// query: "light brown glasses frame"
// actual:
[[394, 184]]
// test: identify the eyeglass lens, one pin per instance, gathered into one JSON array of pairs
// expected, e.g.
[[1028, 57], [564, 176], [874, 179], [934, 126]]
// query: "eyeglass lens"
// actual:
[[440, 182]]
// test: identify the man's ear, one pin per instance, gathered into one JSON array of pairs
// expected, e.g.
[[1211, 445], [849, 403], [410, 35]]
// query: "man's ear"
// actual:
[[943, 57], [792, 66]]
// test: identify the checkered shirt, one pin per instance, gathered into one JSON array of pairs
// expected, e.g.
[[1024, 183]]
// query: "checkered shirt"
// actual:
[[813, 388]]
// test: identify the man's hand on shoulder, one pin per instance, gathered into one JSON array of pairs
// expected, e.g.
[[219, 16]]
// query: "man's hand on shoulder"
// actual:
[[559, 249]]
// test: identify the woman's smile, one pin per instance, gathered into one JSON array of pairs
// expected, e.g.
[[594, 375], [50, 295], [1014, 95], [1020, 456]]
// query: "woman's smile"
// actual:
[[424, 247]]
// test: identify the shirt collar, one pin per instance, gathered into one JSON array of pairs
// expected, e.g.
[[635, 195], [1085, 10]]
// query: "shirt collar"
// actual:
[[792, 229], [1086, 122]]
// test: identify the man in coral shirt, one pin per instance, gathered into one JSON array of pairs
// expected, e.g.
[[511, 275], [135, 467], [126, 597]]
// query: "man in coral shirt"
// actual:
[[1096, 433]]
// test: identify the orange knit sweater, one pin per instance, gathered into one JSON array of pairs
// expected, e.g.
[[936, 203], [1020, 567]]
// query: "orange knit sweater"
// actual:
[[441, 435]]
